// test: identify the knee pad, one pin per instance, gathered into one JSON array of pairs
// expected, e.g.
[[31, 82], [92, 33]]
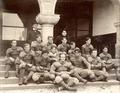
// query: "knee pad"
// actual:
[[33, 68], [65, 76], [76, 81], [58, 79], [35, 76], [8, 62], [46, 75], [52, 76]]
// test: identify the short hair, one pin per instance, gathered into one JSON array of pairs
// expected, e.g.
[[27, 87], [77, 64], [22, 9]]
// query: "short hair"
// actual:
[[87, 38], [105, 47], [26, 44], [64, 38], [50, 37], [53, 46], [71, 43], [77, 50], [38, 36], [63, 53], [94, 50]]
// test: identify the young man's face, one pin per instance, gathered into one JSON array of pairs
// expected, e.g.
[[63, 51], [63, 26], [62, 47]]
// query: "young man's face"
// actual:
[[45, 55], [14, 43], [64, 33], [62, 57], [105, 50], [88, 41], [50, 40], [39, 39], [73, 45], [94, 53], [64, 41], [53, 50], [35, 27], [77, 53], [27, 48]]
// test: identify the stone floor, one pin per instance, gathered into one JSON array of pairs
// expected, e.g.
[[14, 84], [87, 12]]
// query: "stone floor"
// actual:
[[82, 89]]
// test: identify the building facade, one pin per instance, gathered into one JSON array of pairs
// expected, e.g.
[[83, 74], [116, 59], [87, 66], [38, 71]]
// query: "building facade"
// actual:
[[98, 19]]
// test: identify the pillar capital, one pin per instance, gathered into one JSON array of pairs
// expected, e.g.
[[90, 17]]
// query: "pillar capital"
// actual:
[[47, 19], [47, 6]]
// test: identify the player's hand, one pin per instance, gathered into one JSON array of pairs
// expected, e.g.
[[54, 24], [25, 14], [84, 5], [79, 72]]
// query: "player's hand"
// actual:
[[12, 59]]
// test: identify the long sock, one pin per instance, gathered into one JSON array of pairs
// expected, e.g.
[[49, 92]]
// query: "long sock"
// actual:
[[29, 76], [79, 77], [67, 87], [100, 78]]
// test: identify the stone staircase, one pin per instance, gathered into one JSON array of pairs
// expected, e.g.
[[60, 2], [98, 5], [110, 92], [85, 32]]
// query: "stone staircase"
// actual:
[[12, 82]]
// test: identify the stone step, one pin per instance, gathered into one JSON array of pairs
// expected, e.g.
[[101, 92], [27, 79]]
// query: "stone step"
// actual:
[[2, 68], [52, 86], [10, 80], [14, 80], [2, 61], [11, 73]]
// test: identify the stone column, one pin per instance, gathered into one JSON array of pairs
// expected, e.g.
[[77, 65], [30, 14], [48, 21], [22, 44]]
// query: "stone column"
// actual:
[[116, 4], [47, 18]]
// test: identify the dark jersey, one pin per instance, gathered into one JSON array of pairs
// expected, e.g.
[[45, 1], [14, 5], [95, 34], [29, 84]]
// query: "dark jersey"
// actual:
[[13, 52]]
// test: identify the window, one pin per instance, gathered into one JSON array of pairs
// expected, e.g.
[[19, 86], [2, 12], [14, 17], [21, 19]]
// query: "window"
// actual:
[[12, 27]]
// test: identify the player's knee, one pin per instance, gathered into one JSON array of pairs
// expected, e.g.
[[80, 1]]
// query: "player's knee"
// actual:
[[65, 76], [8, 62], [116, 65], [92, 75], [58, 79], [33, 68], [52, 76], [35, 77], [76, 81]]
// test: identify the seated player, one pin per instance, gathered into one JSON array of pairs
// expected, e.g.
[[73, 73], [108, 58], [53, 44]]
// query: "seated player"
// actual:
[[64, 46], [12, 58], [62, 70], [53, 54], [49, 43], [107, 59], [87, 48], [72, 48], [82, 67], [42, 65], [26, 64], [37, 44], [97, 66]]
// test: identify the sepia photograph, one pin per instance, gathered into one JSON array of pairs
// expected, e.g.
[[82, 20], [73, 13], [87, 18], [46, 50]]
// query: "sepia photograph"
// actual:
[[59, 46]]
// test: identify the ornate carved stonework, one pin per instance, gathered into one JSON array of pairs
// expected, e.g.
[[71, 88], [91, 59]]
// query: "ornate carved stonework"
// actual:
[[47, 19], [47, 6]]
